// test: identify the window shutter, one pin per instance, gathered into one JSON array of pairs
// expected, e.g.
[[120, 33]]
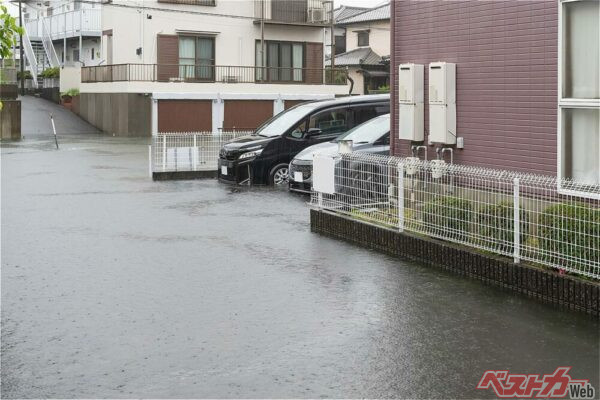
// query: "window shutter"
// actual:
[[167, 57], [314, 63]]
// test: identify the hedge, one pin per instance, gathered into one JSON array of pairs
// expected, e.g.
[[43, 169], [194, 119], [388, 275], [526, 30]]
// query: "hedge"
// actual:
[[449, 213], [570, 233], [495, 222]]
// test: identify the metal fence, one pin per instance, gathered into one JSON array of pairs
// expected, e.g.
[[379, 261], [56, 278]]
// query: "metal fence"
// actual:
[[212, 73], [189, 151], [8, 75], [523, 216]]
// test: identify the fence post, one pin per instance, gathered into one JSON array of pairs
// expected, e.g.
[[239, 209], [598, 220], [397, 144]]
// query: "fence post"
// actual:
[[401, 197], [150, 160], [517, 221], [164, 155], [195, 155]]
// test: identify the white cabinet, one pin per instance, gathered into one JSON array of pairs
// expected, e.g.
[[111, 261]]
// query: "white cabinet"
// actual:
[[442, 103], [410, 101]]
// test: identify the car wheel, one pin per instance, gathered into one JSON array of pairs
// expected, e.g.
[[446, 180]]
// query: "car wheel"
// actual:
[[279, 175]]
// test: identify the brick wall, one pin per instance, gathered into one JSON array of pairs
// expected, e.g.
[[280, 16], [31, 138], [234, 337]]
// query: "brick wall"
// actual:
[[506, 75]]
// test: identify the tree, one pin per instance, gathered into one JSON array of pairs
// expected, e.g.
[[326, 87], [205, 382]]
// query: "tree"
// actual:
[[9, 30]]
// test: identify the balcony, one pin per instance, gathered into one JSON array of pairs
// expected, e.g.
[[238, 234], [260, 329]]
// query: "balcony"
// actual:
[[212, 74], [84, 22], [293, 12]]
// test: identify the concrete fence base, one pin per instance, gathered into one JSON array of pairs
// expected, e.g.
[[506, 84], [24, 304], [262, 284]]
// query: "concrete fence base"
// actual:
[[546, 285], [183, 175]]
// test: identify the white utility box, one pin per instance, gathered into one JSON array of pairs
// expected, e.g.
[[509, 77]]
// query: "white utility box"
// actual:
[[442, 103], [410, 99]]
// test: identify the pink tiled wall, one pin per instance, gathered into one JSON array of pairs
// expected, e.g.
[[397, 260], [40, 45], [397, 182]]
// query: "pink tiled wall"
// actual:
[[506, 75]]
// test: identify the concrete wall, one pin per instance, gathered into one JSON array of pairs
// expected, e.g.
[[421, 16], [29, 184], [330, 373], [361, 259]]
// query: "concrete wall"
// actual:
[[506, 56], [120, 114], [234, 37], [70, 78], [10, 120], [379, 36]]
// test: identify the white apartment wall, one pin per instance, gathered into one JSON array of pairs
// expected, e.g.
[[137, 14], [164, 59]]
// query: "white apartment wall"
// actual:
[[379, 36], [70, 78], [85, 56], [234, 37]]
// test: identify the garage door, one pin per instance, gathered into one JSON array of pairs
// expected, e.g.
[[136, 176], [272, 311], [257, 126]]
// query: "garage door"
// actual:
[[185, 115], [291, 103], [246, 114]]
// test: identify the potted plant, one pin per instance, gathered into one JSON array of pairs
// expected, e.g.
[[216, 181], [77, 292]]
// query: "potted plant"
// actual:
[[67, 97]]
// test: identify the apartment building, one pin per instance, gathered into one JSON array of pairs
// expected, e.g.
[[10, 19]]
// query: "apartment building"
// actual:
[[202, 65], [367, 49], [61, 33], [511, 85]]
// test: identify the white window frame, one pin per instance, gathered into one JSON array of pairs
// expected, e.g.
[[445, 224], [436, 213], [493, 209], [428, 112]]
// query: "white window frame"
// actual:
[[566, 103]]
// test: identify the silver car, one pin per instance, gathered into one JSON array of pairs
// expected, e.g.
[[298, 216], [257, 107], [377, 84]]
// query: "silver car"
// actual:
[[372, 136]]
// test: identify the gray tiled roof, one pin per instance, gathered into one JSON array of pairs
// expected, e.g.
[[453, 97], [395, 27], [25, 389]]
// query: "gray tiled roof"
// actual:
[[360, 56], [346, 12], [374, 14]]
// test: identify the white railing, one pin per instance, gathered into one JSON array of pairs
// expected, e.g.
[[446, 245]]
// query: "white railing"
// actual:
[[68, 24], [33, 66], [189, 151], [49, 83], [521, 216], [49, 46]]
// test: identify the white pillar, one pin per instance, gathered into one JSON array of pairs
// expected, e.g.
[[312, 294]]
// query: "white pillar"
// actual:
[[154, 116], [218, 113], [401, 197], [517, 221], [278, 105]]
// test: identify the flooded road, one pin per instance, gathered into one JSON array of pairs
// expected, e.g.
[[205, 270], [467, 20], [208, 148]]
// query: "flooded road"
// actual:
[[117, 286]]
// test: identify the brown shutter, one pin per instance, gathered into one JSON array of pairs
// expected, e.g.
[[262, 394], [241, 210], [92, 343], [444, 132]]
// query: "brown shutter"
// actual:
[[246, 114], [314, 63], [167, 57], [185, 115]]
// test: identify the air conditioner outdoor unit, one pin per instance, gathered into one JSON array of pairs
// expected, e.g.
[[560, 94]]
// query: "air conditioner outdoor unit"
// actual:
[[316, 15]]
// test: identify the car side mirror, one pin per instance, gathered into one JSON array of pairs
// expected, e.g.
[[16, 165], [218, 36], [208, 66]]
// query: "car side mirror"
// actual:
[[313, 132]]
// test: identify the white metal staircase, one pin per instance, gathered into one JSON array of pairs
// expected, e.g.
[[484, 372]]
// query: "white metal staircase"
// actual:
[[31, 58], [48, 45]]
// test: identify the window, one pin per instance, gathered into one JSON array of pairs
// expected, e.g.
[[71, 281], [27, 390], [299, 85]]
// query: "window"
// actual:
[[579, 92], [77, 5], [197, 57], [75, 55], [92, 54], [365, 113], [334, 120], [363, 38], [284, 61]]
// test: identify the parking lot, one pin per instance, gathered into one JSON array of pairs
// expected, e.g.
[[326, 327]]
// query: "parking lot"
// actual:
[[117, 286]]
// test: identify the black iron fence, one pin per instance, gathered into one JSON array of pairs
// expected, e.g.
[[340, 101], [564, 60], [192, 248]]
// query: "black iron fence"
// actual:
[[212, 73]]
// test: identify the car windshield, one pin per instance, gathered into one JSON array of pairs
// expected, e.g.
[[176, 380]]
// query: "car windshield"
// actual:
[[369, 131], [284, 120]]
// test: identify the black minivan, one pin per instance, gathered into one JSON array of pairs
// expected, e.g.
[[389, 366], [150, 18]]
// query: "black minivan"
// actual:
[[263, 158]]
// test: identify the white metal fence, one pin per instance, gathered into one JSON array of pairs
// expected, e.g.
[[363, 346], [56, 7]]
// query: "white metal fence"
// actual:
[[517, 215], [189, 151]]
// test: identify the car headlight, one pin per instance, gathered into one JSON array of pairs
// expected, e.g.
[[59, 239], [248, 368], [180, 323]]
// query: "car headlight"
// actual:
[[250, 154]]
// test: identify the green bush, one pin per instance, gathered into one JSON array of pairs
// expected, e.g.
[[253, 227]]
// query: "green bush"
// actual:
[[51, 73], [451, 214], [570, 233], [495, 222], [70, 93], [27, 74]]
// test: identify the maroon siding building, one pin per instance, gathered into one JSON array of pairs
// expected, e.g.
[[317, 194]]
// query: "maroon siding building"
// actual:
[[506, 56]]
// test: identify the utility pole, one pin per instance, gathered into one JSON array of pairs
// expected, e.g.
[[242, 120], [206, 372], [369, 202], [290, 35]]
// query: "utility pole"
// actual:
[[332, 44], [262, 41], [22, 59]]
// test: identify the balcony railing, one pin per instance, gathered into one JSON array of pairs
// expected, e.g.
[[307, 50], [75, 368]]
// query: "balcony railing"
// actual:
[[212, 73], [86, 21], [316, 12]]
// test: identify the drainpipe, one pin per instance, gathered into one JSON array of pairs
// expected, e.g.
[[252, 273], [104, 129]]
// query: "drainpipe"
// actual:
[[351, 83], [415, 151]]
